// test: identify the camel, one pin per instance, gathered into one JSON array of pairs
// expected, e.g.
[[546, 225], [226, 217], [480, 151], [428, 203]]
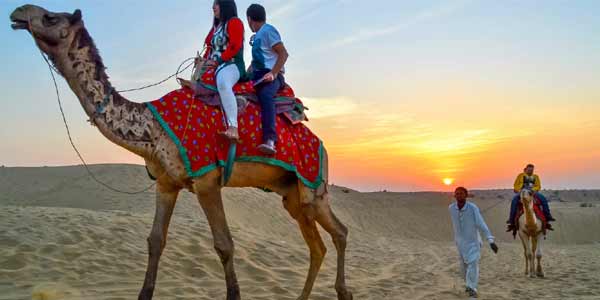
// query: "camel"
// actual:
[[531, 234], [67, 43]]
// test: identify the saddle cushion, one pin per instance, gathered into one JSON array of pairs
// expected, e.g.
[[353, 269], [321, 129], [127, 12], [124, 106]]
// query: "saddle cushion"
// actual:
[[286, 102], [194, 126]]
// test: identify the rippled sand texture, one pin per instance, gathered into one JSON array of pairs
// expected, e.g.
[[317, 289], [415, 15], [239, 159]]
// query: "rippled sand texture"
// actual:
[[64, 237]]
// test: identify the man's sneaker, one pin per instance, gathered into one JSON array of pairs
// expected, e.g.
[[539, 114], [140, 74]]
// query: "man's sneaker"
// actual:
[[268, 147], [551, 219], [472, 293]]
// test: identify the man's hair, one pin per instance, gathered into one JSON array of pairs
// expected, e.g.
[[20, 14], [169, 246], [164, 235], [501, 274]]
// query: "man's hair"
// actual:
[[257, 13], [461, 188], [227, 11], [529, 166]]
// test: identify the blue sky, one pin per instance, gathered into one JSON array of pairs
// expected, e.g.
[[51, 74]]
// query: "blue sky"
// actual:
[[434, 71]]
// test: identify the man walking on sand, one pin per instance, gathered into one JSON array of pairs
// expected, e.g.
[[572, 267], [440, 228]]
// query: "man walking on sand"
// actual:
[[468, 223]]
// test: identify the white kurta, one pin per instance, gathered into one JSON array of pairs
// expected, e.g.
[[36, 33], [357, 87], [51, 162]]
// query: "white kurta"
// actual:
[[468, 223]]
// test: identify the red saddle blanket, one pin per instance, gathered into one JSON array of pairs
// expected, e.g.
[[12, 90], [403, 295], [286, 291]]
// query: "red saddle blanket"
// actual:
[[194, 126], [537, 209]]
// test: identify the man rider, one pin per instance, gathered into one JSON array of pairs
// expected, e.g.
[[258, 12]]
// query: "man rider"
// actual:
[[528, 180]]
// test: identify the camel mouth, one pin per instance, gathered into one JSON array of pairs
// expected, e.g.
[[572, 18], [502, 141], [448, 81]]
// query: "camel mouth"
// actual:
[[19, 24]]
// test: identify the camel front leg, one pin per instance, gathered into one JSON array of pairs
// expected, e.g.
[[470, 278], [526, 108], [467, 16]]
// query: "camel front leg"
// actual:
[[212, 204], [166, 196], [538, 256], [525, 242], [317, 252], [534, 242], [339, 235]]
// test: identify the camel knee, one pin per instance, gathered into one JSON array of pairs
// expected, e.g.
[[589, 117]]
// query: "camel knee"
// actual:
[[340, 236], [156, 243], [225, 250]]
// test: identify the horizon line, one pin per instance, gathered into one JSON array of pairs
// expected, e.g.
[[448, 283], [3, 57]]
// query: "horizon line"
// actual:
[[383, 190]]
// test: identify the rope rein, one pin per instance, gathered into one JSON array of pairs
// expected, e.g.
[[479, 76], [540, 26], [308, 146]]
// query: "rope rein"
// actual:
[[494, 205], [53, 69]]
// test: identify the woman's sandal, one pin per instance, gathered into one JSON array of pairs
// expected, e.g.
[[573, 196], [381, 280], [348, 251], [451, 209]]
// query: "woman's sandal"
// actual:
[[231, 134]]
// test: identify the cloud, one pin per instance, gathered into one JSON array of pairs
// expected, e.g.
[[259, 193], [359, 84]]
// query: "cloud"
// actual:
[[320, 108], [442, 10]]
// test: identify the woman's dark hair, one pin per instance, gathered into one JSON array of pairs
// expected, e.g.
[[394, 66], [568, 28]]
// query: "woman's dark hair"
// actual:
[[257, 13], [227, 9]]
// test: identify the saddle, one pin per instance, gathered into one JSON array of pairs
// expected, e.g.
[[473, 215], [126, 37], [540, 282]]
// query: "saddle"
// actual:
[[205, 90], [539, 214]]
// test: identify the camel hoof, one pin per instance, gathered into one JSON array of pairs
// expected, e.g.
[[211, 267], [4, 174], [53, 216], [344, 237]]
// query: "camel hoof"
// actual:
[[540, 275], [345, 296], [532, 275], [145, 295]]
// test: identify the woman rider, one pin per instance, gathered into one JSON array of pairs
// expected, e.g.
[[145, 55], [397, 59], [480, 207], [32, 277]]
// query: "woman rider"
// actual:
[[225, 49]]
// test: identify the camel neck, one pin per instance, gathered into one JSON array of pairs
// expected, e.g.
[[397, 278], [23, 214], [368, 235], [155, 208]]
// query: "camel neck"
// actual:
[[125, 123], [529, 216]]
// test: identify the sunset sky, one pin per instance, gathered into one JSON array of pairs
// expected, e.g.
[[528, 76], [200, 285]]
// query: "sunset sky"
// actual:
[[403, 93]]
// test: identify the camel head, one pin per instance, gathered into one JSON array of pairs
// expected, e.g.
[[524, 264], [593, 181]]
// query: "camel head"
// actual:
[[54, 33], [527, 198]]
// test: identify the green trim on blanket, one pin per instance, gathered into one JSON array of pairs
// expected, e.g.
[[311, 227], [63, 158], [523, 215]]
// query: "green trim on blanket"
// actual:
[[220, 163], [208, 86]]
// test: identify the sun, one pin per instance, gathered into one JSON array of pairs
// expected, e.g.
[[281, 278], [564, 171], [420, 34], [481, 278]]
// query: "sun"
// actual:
[[448, 181]]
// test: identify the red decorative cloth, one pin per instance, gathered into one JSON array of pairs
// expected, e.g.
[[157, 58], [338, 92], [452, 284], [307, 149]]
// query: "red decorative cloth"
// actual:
[[202, 149], [537, 209]]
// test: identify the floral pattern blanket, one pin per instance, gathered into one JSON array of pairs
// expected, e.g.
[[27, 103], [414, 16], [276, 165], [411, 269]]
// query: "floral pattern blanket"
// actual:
[[194, 126]]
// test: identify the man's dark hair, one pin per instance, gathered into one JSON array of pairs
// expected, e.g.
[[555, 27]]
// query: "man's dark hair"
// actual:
[[461, 188], [227, 11], [257, 13], [530, 166]]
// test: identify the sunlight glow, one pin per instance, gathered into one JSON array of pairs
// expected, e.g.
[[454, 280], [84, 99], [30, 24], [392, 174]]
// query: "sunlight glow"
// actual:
[[448, 181]]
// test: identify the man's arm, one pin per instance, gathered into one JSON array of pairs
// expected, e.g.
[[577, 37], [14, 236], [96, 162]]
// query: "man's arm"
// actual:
[[518, 183], [483, 228], [282, 56], [538, 184]]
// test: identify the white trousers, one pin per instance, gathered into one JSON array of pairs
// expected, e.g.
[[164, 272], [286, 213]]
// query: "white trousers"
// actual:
[[470, 273], [227, 77]]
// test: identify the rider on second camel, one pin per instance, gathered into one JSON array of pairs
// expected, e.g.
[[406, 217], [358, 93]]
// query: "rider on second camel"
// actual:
[[528, 180]]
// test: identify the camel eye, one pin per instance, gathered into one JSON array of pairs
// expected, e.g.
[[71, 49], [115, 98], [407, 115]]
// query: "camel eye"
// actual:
[[50, 21]]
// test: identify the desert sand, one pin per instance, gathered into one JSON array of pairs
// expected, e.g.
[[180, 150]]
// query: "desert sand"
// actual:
[[62, 236]]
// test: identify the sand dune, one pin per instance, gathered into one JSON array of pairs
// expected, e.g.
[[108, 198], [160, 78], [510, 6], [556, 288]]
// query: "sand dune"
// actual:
[[64, 237]]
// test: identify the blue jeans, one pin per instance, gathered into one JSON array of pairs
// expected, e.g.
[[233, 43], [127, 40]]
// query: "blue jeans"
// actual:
[[266, 95], [515, 204]]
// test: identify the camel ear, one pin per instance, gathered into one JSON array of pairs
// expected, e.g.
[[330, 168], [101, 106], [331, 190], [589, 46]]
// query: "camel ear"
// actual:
[[75, 17]]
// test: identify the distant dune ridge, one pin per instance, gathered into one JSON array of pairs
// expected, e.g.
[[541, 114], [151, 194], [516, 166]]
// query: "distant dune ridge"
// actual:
[[62, 236]]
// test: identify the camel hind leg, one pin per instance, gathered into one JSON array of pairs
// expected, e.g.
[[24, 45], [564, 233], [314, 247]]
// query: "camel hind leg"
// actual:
[[305, 218], [339, 234]]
